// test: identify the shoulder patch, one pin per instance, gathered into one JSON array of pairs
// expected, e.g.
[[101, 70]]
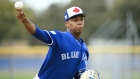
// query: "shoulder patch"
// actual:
[[53, 32]]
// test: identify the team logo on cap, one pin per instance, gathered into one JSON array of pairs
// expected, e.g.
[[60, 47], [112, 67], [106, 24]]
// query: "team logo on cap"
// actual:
[[76, 10], [72, 12]]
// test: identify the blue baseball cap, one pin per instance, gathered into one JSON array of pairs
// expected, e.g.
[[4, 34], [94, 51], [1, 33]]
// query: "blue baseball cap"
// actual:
[[73, 11]]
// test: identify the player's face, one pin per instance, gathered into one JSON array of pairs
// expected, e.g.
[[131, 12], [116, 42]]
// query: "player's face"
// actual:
[[75, 25]]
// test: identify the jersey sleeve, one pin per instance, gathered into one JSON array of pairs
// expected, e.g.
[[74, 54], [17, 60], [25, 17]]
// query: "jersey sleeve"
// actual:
[[42, 35], [56, 37], [51, 38]]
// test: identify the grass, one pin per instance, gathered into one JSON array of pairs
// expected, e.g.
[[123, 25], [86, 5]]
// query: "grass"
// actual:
[[17, 75], [31, 75]]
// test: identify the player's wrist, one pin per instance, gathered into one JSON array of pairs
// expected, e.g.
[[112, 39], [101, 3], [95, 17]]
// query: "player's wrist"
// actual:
[[24, 21]]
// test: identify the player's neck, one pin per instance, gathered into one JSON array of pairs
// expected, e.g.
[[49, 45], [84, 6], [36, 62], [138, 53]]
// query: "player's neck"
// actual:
[[76, 37]]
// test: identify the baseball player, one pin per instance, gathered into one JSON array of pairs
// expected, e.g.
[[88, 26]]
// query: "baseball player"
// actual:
[[68, 54]]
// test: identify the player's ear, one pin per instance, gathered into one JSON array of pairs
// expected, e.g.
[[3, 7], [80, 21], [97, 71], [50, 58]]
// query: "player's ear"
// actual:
[[66, 24]]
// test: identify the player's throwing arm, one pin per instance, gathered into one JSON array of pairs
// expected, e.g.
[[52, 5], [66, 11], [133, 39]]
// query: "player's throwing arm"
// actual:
[[22, 17]]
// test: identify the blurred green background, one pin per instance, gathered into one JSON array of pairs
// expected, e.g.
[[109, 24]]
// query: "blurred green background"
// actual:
[[112, 33]]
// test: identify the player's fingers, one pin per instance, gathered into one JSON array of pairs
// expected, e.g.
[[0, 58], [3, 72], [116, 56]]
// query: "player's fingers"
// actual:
[[20, 14]]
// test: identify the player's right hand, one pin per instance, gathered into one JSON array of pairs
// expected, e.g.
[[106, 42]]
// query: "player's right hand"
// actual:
[[20, 15]]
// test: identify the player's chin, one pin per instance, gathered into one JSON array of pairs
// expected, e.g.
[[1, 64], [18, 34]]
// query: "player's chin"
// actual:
[[79, 32], [80, 29]]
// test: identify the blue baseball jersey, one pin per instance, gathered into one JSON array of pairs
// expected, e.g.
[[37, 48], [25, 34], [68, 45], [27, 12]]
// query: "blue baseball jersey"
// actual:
[[66, 58]]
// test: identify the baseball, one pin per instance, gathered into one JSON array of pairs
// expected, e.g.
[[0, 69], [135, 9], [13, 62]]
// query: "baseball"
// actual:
[[18, 5]]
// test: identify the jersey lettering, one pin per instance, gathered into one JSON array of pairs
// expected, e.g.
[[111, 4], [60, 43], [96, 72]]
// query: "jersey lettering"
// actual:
[[72, 54], [81, 71], [84, 58]]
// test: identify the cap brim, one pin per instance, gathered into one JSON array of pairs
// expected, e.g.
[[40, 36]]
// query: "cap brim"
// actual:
[[83, 14]]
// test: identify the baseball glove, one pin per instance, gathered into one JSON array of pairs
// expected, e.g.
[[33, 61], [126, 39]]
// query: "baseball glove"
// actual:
[[90, 74]]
